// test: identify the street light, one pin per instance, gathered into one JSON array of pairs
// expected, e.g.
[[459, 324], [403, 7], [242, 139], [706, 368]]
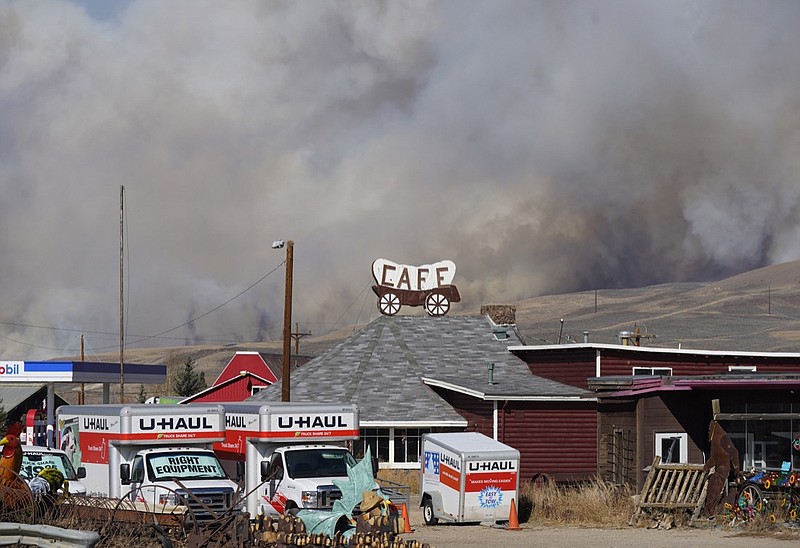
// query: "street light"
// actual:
[[287, 317]]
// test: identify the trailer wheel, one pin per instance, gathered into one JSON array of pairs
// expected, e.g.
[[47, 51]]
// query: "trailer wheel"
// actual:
[[437, 304], [427, 513], [389, 304]]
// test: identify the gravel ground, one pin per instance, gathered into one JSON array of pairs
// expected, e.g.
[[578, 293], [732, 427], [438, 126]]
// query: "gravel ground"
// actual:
[[474, 536]]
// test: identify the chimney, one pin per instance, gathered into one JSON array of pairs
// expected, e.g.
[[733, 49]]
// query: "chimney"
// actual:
[[625, 338], [500, 314]]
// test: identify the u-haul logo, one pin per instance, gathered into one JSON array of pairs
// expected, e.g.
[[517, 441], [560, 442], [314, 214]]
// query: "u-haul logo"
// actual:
[[95, 423], [173, 423], [311, 422], [492, 466], [452, 462]]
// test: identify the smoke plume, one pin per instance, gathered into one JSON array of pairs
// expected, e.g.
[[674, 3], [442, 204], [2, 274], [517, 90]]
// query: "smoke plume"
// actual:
[[542, 146]]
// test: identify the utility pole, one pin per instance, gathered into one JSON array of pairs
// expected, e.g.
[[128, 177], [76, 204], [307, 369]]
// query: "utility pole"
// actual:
[[296, 336], [82, 397], [287, 324], [121, 298]]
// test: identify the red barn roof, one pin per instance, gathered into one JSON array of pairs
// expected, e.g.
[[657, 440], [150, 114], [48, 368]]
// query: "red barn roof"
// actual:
[[251, 362]]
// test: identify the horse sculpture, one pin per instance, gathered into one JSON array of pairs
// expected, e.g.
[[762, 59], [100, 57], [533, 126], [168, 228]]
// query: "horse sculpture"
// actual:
[[723, 466]]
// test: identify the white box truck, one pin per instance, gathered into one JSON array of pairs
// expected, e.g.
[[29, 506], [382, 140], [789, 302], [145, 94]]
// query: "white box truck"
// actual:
[[36, 458], [467, 477], [288, 454], [159, 455]]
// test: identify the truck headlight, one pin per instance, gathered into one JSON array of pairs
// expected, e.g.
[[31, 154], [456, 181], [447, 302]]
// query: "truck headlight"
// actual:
[[169, 499], [309, 498]]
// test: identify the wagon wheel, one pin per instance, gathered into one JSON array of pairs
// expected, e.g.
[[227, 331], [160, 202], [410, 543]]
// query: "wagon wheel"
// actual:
[[437, 304], [750, 497], [389, 304]]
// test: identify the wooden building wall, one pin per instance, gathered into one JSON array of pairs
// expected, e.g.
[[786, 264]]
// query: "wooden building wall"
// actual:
[[617, 441], [572, 368], [558, 439]]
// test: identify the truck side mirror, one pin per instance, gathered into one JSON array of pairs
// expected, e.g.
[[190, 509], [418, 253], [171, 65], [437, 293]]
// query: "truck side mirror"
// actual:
[[239, 469], [125, 473], [264, 470], [81, 472]]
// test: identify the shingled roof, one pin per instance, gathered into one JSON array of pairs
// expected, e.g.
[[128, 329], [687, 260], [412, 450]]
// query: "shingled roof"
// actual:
[[389, 369]]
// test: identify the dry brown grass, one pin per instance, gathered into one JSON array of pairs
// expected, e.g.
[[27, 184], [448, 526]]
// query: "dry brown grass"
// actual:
[[594, 503], [403, 477]]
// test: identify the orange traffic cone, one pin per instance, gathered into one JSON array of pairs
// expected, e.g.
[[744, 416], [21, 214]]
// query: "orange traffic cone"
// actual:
[[513, 521], [404, 511]]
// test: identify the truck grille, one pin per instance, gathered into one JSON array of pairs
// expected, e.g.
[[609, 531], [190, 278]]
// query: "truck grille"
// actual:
[[217, 500], [327, 495]]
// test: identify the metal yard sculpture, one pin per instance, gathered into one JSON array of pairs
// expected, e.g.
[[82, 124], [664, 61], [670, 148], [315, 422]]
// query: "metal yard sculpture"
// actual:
[[428, 285]]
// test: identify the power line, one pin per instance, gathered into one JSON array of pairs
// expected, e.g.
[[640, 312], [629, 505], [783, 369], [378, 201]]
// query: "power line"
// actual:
[[142, 338]]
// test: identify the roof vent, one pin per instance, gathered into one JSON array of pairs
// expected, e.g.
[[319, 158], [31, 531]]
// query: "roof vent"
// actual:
[[490, 370], [500, 332]]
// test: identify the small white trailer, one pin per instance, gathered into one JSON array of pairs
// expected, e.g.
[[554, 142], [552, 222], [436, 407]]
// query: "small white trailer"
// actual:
[[467, 477]]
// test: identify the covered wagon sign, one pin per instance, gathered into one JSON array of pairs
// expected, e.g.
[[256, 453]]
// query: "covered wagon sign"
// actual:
[[429, 285]]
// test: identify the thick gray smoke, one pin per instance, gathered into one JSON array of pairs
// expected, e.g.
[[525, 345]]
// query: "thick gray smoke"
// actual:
[[542, 146]]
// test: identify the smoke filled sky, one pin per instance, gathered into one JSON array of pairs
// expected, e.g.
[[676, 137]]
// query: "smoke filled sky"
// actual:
[[544, 147]]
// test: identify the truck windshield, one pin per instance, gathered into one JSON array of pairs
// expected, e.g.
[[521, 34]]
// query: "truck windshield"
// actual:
[[184, 466], [310, 463], [34, 462]]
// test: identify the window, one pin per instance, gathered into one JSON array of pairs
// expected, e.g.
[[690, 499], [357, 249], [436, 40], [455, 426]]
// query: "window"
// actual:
[[256, 389], [742, 368], [672, 447], [653, 371], [394, 447]]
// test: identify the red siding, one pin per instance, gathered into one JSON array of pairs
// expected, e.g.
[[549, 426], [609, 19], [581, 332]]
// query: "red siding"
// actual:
[[571, 368], [238, 390], [558, 439]]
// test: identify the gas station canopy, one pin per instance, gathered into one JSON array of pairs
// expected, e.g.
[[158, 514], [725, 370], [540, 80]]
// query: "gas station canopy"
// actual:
[[86, 372]]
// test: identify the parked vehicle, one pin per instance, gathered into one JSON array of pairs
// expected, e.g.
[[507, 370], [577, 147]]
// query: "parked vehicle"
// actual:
[[154, 454], [288, 454], [467, 477], [36, 458]]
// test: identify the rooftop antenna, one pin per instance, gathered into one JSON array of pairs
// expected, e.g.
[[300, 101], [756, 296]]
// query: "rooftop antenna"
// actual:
[[560, 330]]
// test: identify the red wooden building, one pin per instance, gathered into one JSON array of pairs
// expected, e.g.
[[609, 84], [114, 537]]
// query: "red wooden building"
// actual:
[[658, 401], [246, 374]]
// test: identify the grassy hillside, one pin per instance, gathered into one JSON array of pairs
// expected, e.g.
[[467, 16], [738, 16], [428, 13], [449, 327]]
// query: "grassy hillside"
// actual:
[[754, 311]]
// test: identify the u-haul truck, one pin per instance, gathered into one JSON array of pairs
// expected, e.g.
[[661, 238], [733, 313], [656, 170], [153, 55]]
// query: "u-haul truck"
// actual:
[[153, 454], [467, 477], [288, 453]]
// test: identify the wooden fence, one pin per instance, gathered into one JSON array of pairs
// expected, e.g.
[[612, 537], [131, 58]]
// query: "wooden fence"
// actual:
[[672, 487]]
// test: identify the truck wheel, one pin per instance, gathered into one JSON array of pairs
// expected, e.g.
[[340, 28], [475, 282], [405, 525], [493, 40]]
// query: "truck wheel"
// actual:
[[427, 513]]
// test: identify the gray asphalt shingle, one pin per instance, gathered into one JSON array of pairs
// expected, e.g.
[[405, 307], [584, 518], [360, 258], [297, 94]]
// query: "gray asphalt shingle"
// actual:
[[382, 366]]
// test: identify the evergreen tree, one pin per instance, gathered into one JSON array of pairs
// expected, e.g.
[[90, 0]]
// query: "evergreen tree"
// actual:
[[186, 381], [142, 397]]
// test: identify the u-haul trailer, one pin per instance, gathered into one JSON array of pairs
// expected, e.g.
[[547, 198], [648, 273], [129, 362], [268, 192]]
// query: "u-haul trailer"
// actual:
[[467, 477], [289, 453], [151, 453]]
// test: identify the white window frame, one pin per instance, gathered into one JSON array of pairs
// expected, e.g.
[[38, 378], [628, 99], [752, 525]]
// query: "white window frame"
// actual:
[[743, 368], [652, 371], [683, 457]]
